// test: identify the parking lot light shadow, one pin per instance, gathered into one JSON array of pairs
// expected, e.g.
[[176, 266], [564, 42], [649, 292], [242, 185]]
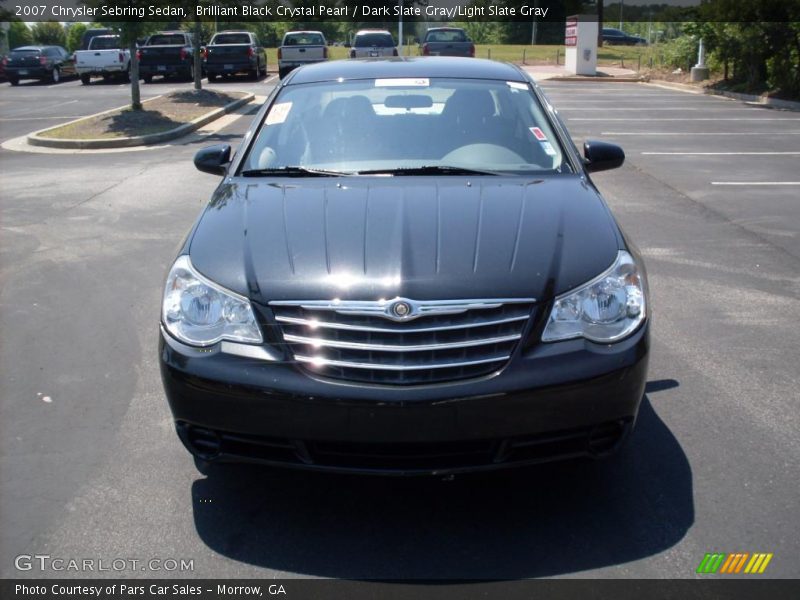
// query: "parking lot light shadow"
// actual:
[[547, 520]]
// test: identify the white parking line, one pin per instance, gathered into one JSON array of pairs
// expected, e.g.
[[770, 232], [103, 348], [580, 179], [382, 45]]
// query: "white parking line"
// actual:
[[39, 108], [46, 118], [722, 153], [755, 183]]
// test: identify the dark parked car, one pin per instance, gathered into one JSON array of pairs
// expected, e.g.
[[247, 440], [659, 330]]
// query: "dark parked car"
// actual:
[[615, 37], [232, 52], [90, 34], [46, 63], [373, 43], [446, 41], [406, 268], [169, 54]]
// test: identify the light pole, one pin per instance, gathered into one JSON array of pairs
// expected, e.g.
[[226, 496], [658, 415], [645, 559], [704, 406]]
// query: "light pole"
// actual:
[[400, 29]]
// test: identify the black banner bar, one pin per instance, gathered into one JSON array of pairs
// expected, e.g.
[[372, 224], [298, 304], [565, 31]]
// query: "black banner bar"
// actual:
[[732, 588], [300, 13]]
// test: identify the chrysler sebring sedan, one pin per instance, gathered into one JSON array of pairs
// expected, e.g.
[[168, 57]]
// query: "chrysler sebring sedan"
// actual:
[[406, 269]]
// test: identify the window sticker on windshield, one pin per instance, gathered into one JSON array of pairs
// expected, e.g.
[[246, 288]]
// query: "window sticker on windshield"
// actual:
[[516, 85], [278, 113], [539, 134], [407, 82], [548, 148]]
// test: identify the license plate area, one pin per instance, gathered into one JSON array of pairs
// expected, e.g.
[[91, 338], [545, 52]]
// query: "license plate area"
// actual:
[[162, 67], [228, 67]]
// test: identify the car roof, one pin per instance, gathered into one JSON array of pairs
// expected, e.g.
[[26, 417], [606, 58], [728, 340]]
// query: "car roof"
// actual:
[[29, 48], [428, 66]]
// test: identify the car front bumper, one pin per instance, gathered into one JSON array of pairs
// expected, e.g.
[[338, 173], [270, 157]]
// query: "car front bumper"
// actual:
[[559, 400]]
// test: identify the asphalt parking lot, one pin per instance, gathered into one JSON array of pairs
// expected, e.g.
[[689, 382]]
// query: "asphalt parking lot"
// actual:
[[90, 466]]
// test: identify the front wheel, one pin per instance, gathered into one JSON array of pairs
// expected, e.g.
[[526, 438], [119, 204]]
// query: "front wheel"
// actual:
[[86, 79], [55, 75], [13, 81]]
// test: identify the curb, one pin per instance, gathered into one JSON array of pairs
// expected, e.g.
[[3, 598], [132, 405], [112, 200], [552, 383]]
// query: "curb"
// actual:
[[760, 100], [602, 79], [35, 138], [750, 98], [672, 85]]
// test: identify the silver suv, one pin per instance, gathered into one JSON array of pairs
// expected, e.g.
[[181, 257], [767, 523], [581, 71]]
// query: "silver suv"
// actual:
[[373, 43]]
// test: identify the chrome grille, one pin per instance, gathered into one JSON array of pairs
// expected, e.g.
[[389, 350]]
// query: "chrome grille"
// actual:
[[430, 342]]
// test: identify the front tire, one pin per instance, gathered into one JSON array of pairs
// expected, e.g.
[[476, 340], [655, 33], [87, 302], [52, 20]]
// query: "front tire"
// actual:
[[13, 81], [86, 79], [55, 75]]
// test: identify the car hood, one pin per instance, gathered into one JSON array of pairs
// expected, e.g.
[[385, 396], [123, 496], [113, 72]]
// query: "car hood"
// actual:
[[416, 237]]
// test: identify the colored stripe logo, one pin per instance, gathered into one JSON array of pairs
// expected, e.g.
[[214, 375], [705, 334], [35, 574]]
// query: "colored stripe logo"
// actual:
[[734, 563]]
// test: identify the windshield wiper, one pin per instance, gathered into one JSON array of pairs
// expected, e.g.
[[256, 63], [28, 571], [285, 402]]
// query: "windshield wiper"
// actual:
[[428, 170], [292, 171]]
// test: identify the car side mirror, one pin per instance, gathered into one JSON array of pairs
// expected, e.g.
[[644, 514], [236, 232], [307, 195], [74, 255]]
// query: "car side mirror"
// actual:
[[601, 156], [213, 159]]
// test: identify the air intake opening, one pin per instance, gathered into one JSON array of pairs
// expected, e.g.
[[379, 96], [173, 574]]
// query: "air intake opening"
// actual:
[[606, 438], [203, 443]]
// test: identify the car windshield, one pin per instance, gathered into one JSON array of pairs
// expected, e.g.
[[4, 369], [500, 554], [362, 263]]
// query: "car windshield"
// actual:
[[417, 125], [378, 40], [303, 39], [104, 43], [231, 38], [166, 40]]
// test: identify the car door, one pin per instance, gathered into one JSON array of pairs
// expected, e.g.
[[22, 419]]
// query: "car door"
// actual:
[[66, 61]]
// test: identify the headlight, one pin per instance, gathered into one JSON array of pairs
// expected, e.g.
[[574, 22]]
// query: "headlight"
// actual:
[[200, 312], [607, 309]]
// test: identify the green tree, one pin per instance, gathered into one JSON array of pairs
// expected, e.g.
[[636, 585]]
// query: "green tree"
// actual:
[[19, 34], [75, 36], [49, 33]]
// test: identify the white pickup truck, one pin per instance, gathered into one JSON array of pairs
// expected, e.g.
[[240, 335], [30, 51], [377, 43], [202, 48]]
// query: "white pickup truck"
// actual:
[[301, 48], [105, 57]]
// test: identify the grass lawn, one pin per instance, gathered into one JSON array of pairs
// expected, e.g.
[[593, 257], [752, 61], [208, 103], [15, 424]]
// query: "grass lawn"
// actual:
[[157, 115], [607, 55]]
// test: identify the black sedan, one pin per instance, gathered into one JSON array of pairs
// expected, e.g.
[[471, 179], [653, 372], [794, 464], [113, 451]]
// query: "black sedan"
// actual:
[[617, 37], [405, 269], [46, 63]]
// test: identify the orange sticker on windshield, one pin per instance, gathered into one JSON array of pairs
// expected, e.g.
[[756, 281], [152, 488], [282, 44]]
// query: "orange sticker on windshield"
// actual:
[[278, 113]]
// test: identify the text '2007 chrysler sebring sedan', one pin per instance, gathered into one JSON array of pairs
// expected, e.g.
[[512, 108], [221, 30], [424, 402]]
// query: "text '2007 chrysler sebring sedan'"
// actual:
[[406, 269]]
